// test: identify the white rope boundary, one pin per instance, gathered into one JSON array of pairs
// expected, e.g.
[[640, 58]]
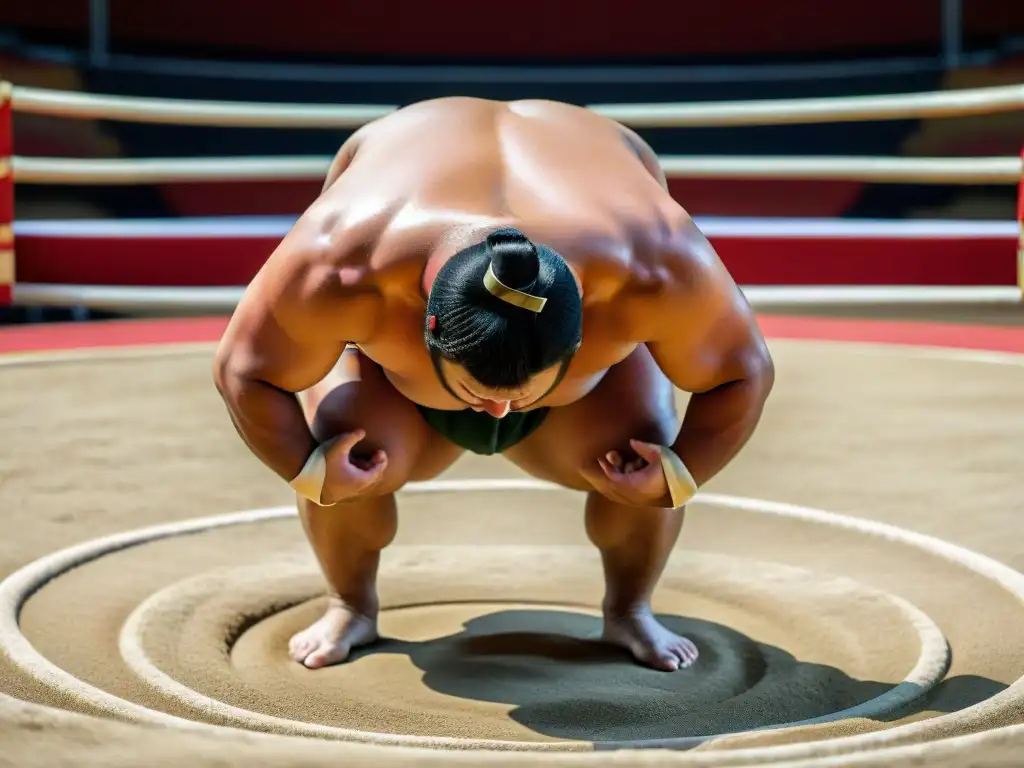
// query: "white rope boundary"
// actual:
[[891, 170], [20, 585], [976, 170], [712, 226], [182, 299], [972, 101]]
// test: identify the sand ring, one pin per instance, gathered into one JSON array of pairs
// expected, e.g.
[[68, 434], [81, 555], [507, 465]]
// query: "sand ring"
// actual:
[[221, 598], [15, 590]]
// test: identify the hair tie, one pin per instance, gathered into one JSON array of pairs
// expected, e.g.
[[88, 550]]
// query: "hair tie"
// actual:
[[510, 295]]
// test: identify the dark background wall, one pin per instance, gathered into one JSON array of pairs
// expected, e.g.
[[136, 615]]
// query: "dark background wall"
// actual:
[[455, 30]]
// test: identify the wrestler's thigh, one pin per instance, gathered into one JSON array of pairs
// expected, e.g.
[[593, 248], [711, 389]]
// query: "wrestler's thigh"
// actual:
[[634, 400], [357, 395]]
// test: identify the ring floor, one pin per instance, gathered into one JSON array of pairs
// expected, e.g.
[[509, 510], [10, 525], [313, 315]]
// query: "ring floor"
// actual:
[[489, 657]]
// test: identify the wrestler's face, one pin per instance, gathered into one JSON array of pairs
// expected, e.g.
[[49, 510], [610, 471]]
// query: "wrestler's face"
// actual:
[[497, 402]]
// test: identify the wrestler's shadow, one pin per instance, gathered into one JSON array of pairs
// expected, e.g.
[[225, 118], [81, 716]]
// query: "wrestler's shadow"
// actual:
[[562, 682]]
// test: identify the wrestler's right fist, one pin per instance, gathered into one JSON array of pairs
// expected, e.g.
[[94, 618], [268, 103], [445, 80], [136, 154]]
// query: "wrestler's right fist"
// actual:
[[349, 475]]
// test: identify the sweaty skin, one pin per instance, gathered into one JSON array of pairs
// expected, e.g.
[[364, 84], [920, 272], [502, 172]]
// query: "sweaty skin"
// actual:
[[403, 195]]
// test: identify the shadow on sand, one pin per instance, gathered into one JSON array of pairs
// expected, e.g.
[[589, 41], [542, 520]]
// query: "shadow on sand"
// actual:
[[564, 683]]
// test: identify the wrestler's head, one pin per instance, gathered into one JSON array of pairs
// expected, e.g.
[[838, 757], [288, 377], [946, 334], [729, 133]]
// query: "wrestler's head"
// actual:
[[502, 316]]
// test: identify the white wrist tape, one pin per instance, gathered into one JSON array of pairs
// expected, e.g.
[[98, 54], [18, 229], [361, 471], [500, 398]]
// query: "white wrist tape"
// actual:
[[681, 485], [309, 483]]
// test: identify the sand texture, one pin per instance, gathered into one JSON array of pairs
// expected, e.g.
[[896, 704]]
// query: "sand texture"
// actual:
[[851, 581]]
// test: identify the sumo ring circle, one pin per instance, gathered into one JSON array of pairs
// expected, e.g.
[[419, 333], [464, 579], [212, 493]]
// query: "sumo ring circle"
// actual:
[[929, 669]]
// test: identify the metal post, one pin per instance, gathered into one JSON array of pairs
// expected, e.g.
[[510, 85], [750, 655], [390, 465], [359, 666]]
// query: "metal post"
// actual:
[[99, 24], [952, 32]]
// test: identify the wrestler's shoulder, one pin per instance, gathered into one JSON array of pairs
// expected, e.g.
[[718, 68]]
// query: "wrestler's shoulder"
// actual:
[[671, 263], [333, 233], [318, 263]]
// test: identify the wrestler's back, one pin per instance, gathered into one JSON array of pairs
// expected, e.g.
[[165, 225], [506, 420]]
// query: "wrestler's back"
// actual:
[[428, 180], [552, 167]]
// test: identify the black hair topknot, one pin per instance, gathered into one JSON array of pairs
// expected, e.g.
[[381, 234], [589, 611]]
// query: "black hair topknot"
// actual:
[[501, 345], [514, 259]]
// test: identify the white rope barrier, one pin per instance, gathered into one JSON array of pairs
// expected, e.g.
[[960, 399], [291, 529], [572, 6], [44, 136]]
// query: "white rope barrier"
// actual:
[[42, 101], [59, 170], [128, 298], [277, 226], [838, 109], [921, 170], [182, 300], [972, 101]]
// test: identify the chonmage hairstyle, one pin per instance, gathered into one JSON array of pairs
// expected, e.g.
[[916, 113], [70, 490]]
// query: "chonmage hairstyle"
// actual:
[[504, 309]]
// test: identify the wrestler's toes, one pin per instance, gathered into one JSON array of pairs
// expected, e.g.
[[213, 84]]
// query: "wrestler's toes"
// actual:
[[686, 652], [668, 662], [300, 647], [649, 641], [329, 640], [657, 658], [327, 654]]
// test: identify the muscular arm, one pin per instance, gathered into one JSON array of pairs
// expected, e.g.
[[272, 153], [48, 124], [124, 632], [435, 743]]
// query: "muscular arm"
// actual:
[[287, 333], [707, 342]]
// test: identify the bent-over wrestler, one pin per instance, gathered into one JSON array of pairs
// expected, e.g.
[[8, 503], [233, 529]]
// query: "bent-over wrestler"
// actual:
[[501, 278]]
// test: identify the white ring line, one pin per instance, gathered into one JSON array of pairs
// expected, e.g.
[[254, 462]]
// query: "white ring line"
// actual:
[[138, 661], [17, 587], [902, 349], [116, 353], [1005, 576], [23, 583], [931, 667], [144, 350], [155, 532], [928, 671]]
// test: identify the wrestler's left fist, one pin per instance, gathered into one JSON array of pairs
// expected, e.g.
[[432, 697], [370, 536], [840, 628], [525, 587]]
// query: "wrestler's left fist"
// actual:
[[637, 480]]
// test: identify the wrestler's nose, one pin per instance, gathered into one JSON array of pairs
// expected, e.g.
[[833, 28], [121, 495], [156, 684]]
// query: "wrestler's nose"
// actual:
[[498, 408]]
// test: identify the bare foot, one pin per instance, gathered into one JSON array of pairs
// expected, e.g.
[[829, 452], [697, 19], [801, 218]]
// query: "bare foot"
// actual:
[[654, 646], [329, 640]]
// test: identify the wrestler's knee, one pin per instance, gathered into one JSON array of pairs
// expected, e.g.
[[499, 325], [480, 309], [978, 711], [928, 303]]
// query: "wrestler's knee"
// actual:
[[638, 398], [634, 401], [357, 395], [646, 427]]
